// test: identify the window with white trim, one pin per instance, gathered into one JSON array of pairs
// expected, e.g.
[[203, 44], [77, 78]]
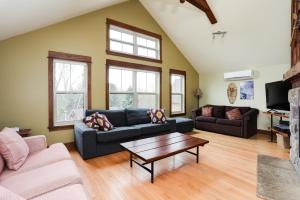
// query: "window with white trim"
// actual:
[[177, 93], [133, 88], [70, 91], [129, 42]]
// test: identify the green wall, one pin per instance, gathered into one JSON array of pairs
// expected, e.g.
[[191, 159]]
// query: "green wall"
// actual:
[[24, 65]]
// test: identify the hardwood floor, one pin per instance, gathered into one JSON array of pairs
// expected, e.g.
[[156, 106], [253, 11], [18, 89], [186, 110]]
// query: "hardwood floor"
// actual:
[[226, 170]]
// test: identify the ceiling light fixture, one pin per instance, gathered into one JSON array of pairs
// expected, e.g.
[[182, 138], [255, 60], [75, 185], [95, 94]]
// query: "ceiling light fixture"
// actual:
[[221, 33]]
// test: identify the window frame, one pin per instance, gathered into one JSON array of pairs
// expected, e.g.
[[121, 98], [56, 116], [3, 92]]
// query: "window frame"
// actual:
[[112, 22], [136, 66], [181, 73], [53, 55]]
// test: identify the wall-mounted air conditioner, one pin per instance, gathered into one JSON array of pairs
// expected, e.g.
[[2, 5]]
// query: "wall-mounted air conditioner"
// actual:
[[239, 75]]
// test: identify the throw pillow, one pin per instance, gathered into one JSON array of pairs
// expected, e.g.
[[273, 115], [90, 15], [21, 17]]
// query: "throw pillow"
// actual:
[[91, 121], [157, 116], [13, 148], [234, 114], [104, 124], [207, 111]]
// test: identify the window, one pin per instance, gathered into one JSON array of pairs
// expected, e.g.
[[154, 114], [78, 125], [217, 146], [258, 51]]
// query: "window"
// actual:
[[132, 86], [69, 89], [177, 92], [129, 41]]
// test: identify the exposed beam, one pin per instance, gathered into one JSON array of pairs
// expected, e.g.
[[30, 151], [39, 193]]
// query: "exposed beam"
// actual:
[[203, 5]]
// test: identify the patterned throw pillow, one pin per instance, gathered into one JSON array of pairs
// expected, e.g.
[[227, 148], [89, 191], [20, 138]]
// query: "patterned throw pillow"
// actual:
[[104, 124], [157, 116], [91, 121], [207, 111], [234, 114]]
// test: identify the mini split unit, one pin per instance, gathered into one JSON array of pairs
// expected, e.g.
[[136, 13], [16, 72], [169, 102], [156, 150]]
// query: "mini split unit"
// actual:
[[239, 75]]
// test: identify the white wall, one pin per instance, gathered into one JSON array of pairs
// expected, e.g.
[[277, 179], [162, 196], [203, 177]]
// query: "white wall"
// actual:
[[258, 32], [214, 89]]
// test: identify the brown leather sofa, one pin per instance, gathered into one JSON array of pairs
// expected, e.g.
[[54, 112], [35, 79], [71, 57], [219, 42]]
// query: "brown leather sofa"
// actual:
[[246, 127]]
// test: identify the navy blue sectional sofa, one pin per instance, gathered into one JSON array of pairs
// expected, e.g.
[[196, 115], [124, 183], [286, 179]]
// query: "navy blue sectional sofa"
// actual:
[[129, 125]]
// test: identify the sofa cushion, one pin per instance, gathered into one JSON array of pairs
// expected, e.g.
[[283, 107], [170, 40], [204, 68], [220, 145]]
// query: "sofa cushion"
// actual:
[[36, 143], [137, 116], [153, 128], [116, 117], [236, 123], [35, 182], [13, 148], [5, 194], [219, 111], [183, 120], [69, 192], [206, 119], [54, 153], [184, 125], [207, 111], [119, 133], [242, 109], [234, 114]]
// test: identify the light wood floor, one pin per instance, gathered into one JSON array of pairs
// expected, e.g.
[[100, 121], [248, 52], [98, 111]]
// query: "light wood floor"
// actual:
[[226, 170]]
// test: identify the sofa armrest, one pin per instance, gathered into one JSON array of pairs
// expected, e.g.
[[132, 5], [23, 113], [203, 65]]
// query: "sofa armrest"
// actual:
[[85, 140], [196, 112], [36, 143], [251, 113], [172, 123], [249, 122]]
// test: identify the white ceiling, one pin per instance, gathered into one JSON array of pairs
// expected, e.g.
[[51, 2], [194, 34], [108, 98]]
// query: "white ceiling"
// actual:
[[258, 32], [21, 16]]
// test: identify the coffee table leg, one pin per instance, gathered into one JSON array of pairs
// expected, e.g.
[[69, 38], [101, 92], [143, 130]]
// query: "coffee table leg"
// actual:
[[152, 172], [197, 154], [130, 160]]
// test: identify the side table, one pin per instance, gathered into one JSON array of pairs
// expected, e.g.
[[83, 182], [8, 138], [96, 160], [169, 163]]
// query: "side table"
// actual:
[[24, 132]]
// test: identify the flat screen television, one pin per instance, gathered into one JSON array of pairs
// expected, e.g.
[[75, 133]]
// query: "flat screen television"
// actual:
[[277, 95]]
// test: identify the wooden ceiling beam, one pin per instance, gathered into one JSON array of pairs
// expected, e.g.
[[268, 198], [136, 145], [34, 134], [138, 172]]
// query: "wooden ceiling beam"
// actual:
[[203, 5]]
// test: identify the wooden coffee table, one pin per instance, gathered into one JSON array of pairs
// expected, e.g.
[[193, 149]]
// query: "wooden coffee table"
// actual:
[[156, 148]]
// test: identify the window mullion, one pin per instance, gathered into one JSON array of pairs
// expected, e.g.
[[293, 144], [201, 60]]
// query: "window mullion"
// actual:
[[121, 41], [157, 90], [135, 47], [181, 96], [135, 95]]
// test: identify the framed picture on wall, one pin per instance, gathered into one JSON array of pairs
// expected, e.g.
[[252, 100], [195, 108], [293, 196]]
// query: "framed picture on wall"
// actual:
[[247, 90]]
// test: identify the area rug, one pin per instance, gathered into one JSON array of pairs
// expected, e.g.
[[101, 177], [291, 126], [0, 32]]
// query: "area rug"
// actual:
[[277, 179]]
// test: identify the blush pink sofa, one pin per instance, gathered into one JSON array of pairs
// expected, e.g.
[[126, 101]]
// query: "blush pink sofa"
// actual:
[[48, 173]]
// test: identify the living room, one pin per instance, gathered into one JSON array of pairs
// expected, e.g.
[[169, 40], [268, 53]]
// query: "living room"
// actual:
[[149, 99]]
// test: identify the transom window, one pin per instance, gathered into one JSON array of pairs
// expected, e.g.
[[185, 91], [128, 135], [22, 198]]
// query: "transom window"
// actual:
[[177, 95], [69, 91], [133, 87], [125, 40]]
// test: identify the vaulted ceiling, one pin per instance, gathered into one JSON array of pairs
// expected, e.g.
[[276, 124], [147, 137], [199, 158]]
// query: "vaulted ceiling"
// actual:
[[258, 31], [21, 16]]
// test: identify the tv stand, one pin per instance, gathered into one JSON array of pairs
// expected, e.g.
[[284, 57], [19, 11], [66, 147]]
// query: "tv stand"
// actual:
[[276, 114], [272, 111]]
